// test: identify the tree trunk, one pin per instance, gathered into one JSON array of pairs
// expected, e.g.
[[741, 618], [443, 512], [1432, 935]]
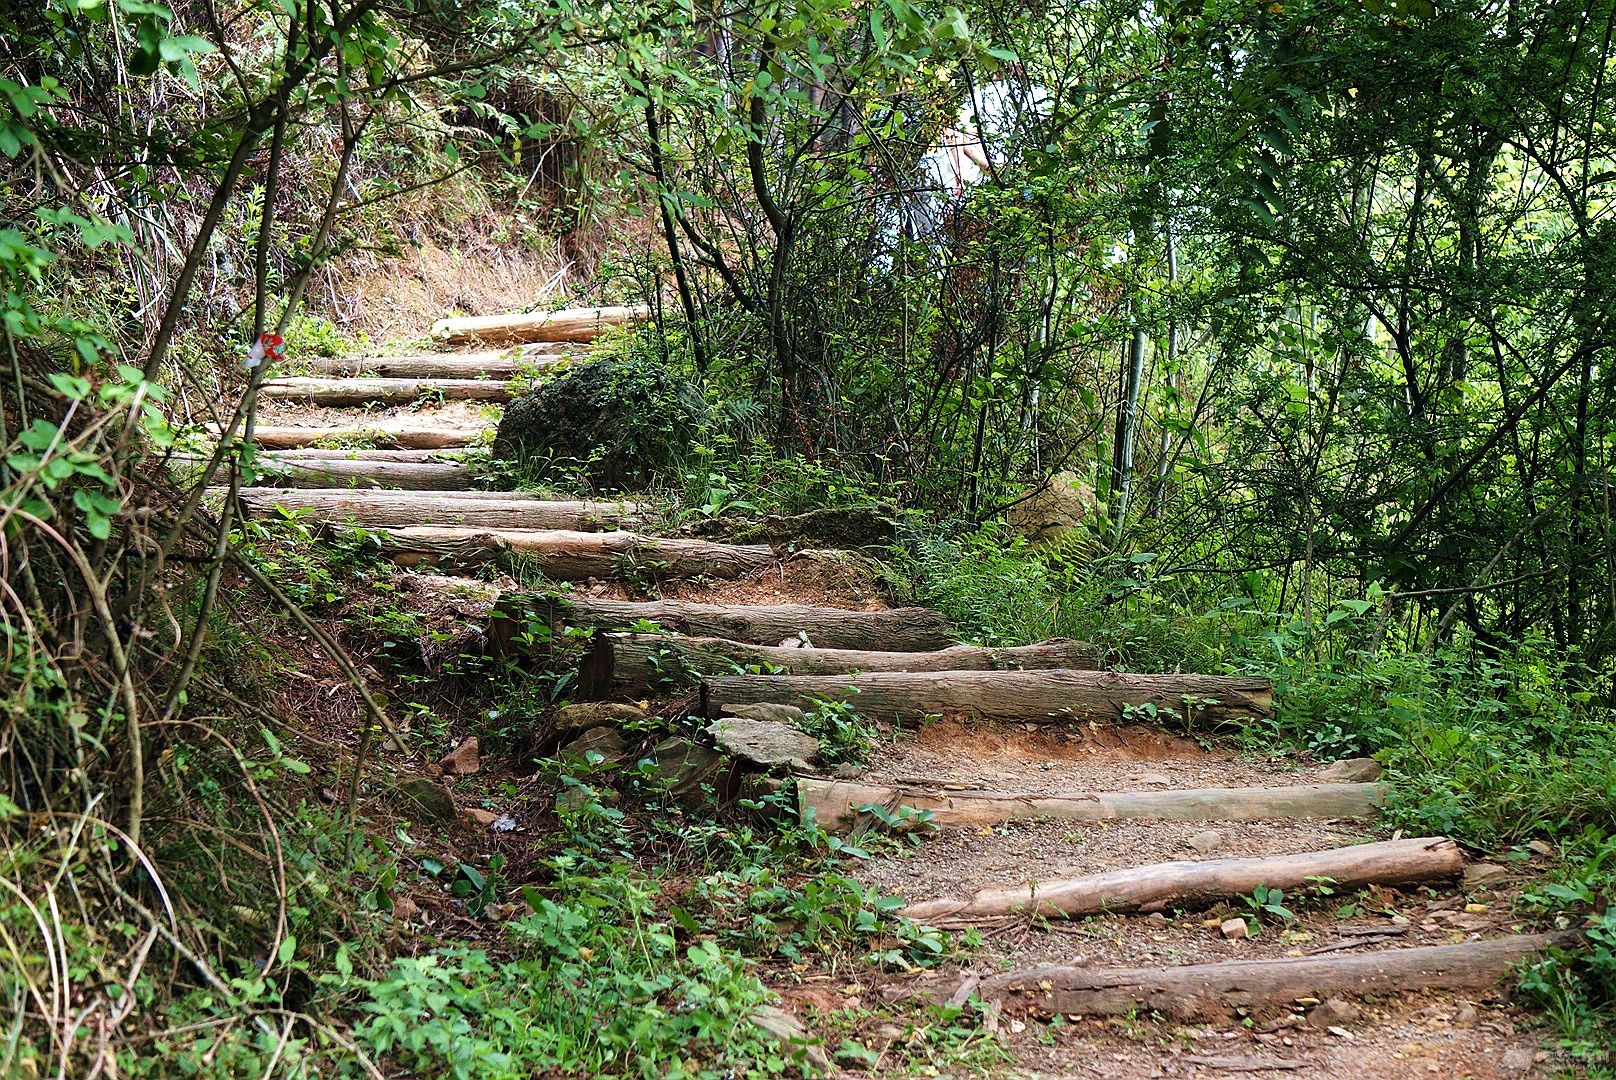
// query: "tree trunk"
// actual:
[[393, 434], [489, 510], [1196, 991], [1192, 885], [562, 555], [339, 392], [628, 666], [903, 629], [1037, 696], [489, 364], [578, 324], [836, 803], [293, 471]]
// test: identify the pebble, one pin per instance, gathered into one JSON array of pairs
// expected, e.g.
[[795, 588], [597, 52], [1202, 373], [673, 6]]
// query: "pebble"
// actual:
[[1206, 841], [1332, 1013], [1483, 873], [1234, 929]]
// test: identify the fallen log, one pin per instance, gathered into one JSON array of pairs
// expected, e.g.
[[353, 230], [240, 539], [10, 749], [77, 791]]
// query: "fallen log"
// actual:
[[1190, 885], [835, 803], [271, 437], [626, 665], [563, 555], [489, 364], [1203, 991], [311, 453], [576, 324], [383, 509], [1038, 696], [340, 392], [342, 473], [903, 629]]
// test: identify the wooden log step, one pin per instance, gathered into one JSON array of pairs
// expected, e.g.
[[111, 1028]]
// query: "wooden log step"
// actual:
[[387, 434], [563, 555], [489, 364], [383, 509], [1206, 991], [340, 392], [901, 629], [574, 324], [627, 666], [1194, 885], [835, 803], [367, 473], [1059, 696], [310, 453]]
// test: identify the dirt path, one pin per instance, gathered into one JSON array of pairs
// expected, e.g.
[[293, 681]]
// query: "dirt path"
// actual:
[[1416, 1031]]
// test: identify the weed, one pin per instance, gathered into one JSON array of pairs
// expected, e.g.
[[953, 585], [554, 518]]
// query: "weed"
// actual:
[[844, 735]]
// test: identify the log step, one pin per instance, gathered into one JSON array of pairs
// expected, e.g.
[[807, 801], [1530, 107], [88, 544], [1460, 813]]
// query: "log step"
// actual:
[[900, 629], [340, 392], [1208, 991], [1060, 696], [835, 803], [295, 472], [1193, 885], [563, 555], [384, 435], [573, 324], [385, 509], [628, 666], [488, 364]]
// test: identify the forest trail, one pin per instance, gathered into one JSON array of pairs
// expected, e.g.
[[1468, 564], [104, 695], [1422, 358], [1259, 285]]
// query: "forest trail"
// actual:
[[394, 443]]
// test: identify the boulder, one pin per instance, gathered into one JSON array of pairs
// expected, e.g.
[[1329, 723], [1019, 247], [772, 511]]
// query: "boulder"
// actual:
[[608, 742], [617, 420], [768, 712], [1358, 770], [425, 800], [767, 743], [462, 760], [1056, 507], [683, 766], [593, 714]]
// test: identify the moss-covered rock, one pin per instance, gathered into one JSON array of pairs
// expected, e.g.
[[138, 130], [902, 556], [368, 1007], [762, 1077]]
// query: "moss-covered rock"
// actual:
[[616, 421]]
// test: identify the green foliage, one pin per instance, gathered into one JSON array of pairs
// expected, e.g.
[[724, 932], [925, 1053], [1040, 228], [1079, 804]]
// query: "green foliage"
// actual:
[[995, 589], [843, 734]]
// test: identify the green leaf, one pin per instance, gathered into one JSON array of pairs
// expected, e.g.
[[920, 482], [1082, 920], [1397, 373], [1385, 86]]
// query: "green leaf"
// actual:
[[287, 950]]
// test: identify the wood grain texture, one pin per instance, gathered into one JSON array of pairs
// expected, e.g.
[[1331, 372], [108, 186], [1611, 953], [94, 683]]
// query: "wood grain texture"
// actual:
[[1193, 884], [628, 666], [1061, 696], [575, 324], [835, 803]]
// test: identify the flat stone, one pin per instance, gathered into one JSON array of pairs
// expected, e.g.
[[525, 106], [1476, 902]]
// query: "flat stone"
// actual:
[[478, 816], [848, 771], [768, 712], [462, 760], [764, 742], [1484, 873], [1540, 847], [1358, 770], [608, 742], [682, 766], [1333, 1012], [1234, 929], [426, 800], [1518, 1060], [1152, 778], [1207, 841], [590, 714]]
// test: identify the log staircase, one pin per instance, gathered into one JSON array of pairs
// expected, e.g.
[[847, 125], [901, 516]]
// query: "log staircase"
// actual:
[[392, 443]]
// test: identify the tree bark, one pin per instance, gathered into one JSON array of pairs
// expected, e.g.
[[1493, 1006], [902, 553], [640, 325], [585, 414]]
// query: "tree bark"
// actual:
[[1037, 696], [563, 555], [903, 629], [340, 392], [488, 364], [382, 509], [1192, 885], [414, 437], [627, 666], [577, 324], [835, 803], [323, 472], [1195, 991]]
